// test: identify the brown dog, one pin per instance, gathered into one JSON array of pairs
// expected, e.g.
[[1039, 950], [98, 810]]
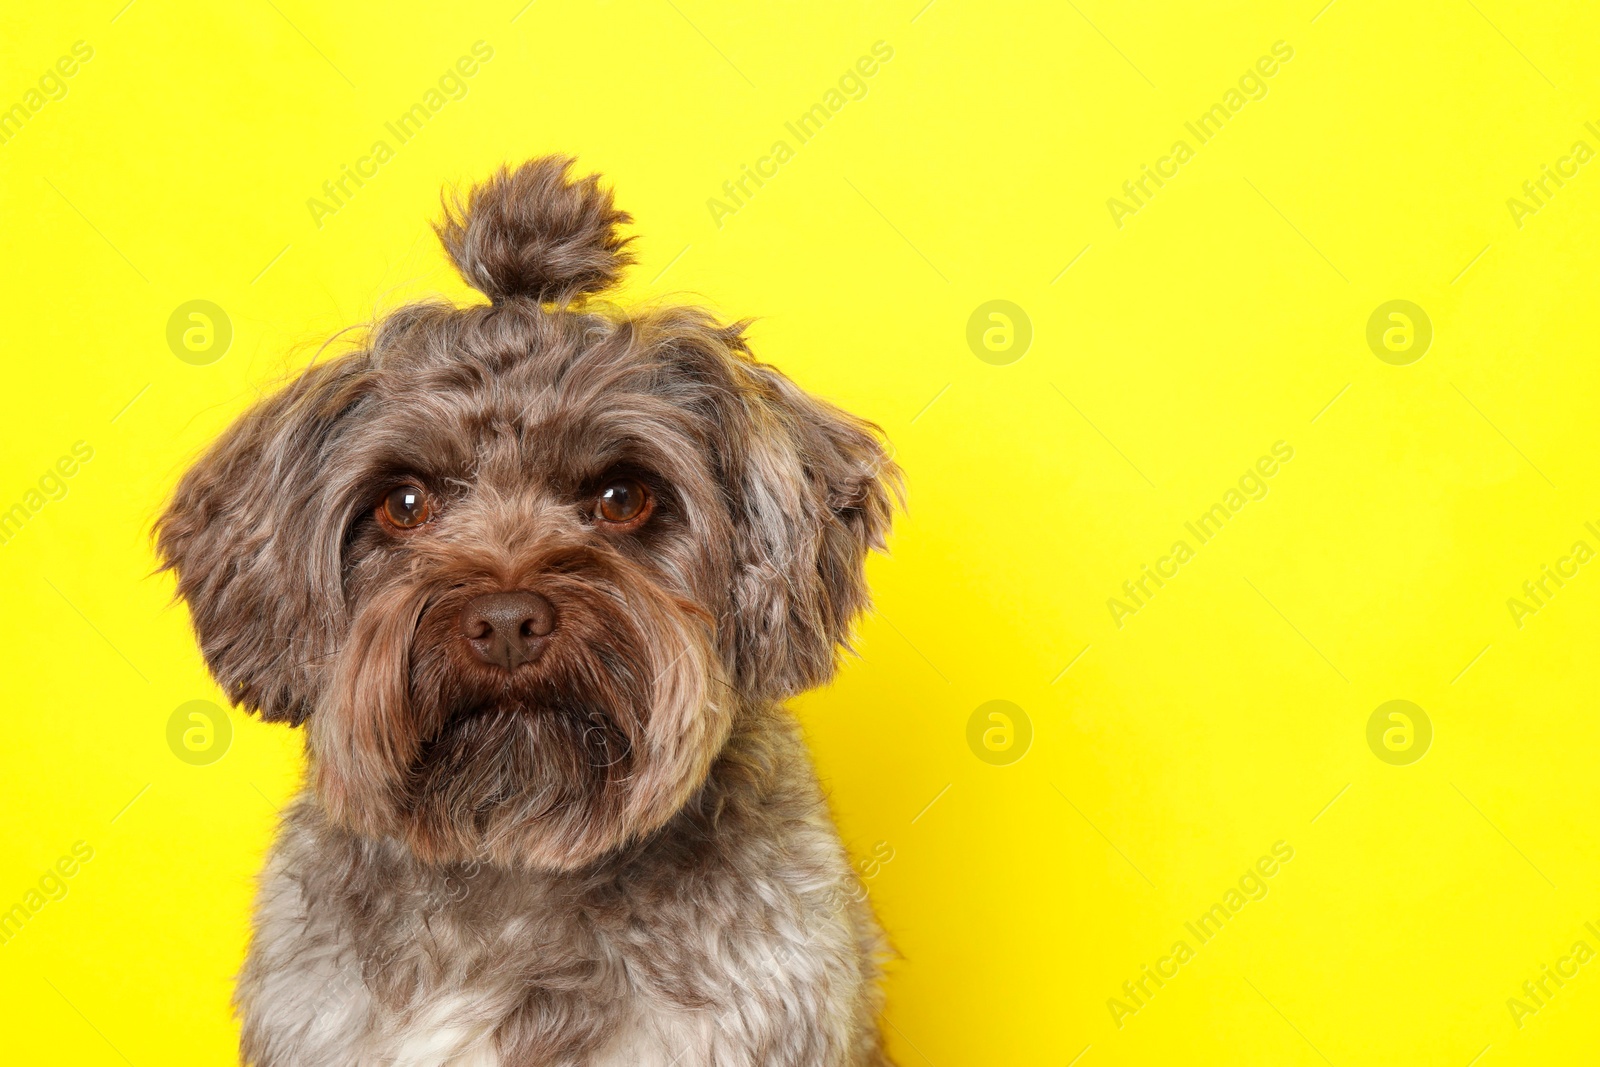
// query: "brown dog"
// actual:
[[537, 579]]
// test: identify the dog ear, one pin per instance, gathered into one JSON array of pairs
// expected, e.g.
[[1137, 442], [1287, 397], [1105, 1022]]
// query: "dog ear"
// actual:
[[813, 490], [255, 548]]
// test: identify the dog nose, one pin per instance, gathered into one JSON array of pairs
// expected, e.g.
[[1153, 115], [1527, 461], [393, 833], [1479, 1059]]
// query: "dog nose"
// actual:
[[507, 629]]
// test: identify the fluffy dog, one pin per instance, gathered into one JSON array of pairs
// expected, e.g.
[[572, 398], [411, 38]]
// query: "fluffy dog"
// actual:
[[536, 578]]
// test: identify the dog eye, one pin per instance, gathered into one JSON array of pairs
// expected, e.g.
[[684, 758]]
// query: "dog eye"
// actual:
[[406, 507], [624, 502]]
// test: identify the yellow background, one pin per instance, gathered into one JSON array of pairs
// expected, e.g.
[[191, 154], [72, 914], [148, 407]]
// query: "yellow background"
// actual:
[[1230, 313]]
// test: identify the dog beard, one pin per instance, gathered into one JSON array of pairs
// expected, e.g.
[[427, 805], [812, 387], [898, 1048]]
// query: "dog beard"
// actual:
[[599, 740]]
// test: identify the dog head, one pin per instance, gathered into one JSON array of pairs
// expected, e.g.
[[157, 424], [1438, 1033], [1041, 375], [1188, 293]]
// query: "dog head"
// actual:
[[519, 566]]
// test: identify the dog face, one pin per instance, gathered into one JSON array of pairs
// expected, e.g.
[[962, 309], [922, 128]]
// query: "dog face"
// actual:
[[519, 567]]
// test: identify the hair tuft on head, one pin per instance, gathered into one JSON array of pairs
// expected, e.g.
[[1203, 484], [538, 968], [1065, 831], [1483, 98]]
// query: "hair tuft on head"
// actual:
[[535, 232]]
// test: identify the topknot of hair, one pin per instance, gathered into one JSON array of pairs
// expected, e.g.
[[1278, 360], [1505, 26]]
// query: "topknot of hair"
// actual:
[[535, 232]]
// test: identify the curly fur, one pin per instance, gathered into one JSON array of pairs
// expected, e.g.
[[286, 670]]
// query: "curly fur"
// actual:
[[534, 233], [617, 853]]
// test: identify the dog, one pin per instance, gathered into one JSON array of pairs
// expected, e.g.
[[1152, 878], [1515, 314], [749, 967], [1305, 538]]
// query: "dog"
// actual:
[[536, 578]]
